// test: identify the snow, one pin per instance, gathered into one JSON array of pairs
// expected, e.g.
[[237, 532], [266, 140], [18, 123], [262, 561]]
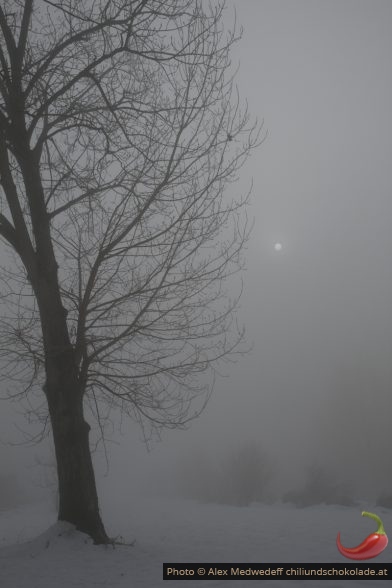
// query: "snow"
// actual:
[[38, 552]]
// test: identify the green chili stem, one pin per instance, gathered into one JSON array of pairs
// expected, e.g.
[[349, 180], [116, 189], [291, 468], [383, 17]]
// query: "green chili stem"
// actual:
[[380, 530]]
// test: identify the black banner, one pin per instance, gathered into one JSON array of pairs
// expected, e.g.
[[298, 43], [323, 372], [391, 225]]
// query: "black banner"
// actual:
[[276, 571]]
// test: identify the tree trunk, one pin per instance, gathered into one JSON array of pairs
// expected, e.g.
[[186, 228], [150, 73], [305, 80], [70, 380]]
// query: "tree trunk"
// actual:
[[78, 499]]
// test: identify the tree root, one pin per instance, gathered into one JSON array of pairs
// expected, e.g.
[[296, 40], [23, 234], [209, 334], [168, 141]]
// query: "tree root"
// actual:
[[119, 540]]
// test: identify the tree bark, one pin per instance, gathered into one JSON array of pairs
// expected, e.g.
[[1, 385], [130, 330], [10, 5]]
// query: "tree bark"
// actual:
[[78, 499]]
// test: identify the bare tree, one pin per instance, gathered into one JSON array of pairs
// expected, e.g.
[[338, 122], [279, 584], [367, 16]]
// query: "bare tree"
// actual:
[[120, 132]]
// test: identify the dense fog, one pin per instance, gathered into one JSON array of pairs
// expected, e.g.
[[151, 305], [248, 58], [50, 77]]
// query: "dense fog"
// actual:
[[305, 414]]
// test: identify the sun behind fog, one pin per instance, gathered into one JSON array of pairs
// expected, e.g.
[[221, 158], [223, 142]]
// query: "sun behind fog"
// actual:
[[278, 246]]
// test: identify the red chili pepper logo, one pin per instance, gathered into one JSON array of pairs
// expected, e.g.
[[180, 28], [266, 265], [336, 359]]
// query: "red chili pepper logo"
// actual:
[[370, 547]]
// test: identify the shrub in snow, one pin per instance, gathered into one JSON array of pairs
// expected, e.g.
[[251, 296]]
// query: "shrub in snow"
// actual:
[[241, 478], [320, 487], [245, 476]]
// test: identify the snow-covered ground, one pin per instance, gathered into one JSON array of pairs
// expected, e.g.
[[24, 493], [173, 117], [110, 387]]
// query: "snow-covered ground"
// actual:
[[37, 552]]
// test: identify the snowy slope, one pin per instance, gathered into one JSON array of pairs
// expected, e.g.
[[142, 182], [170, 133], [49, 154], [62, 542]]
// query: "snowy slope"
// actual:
[[37, 552]]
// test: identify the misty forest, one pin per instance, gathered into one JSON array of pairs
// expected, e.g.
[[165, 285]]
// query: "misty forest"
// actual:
[[195, 284]]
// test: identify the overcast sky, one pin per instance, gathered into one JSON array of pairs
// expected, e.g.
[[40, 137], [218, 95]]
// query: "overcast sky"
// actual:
[[320, 311], [317, 383]]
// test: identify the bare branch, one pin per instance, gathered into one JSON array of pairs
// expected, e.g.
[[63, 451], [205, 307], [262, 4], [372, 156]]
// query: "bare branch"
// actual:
[[123, 135]]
